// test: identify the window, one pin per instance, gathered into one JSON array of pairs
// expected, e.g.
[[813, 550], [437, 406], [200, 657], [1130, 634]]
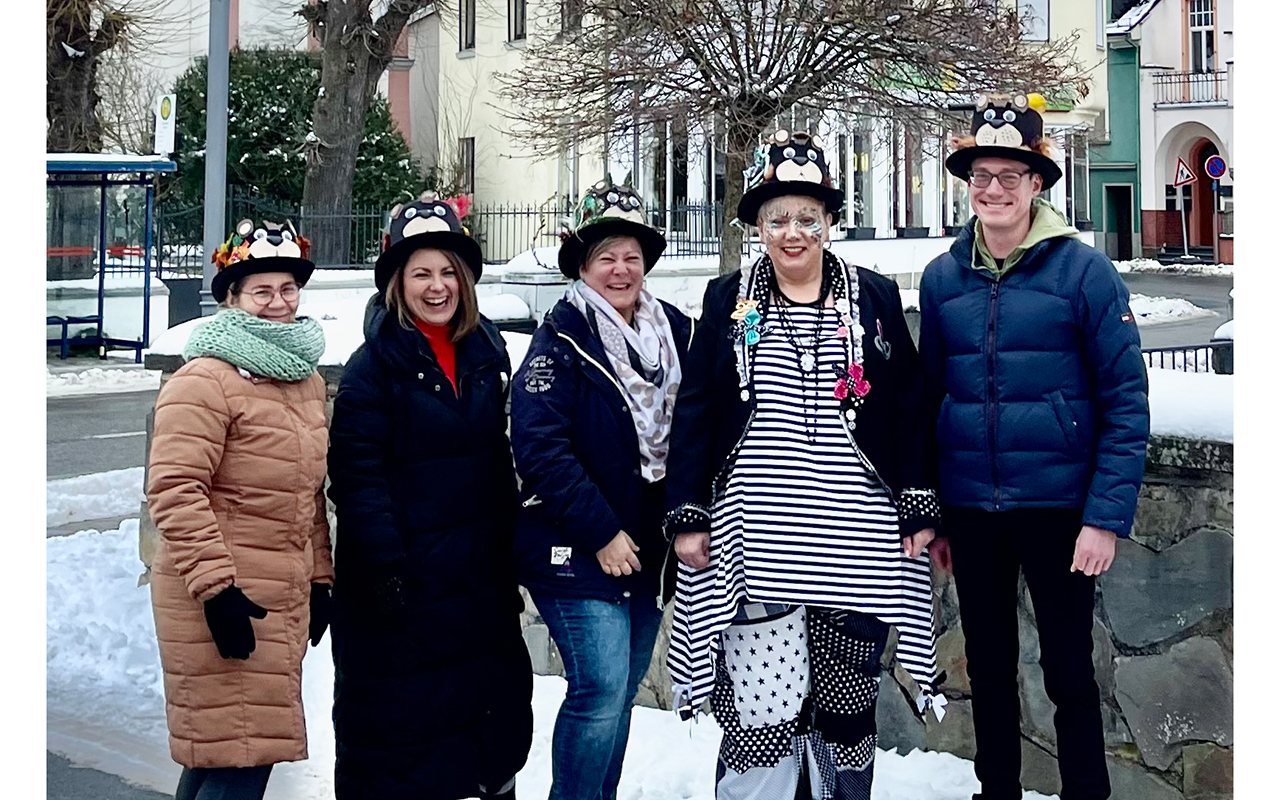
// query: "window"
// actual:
[[956, 208], [570, 15], [1201, 23], [466, 24], [1227, 203], [1100, 22], [912, 181], [517, 19], [1035, 16], [467, 165], [1077, 175], [859, 192]]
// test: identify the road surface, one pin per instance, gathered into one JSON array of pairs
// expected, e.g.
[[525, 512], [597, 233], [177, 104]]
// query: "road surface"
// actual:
[[96, 433]]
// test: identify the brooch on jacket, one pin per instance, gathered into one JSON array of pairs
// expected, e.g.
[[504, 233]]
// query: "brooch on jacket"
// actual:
[[747, 320]]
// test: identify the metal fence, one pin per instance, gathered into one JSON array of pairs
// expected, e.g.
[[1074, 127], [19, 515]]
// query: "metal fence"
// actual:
[[1211, 357], [503, 231]]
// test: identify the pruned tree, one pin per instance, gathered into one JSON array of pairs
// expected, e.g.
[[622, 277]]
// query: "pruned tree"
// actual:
[[80, 35], [606, 66], [357, 43]]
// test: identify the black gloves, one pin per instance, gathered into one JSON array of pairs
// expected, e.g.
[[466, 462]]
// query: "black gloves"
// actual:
[[227, 614], [320, 611]]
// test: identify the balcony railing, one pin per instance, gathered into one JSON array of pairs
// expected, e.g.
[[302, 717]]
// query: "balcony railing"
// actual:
[[1185, 88]]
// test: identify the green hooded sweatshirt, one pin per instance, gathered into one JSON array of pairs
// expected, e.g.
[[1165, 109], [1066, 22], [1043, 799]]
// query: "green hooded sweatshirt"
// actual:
[[1047, 222]]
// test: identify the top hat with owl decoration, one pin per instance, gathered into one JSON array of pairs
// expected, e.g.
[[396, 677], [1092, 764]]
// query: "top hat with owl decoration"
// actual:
[[426, 222], [788, 164], [609, 210], [254, 248], [1006, 126]]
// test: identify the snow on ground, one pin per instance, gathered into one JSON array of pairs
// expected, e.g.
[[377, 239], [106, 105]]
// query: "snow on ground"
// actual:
[[100, 381], [1192, 404], [105, 700], [1151, 265], [97, 496], [1154, 310], [910, 299]]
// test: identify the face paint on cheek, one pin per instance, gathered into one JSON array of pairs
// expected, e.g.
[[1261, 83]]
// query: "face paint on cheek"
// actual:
[[812, 230]]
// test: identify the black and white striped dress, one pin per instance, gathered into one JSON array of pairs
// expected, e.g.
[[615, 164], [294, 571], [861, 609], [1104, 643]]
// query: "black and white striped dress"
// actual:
[[801, 520]]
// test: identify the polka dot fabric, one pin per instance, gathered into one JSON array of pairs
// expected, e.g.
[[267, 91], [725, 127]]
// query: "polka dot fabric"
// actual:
[[828, 722]]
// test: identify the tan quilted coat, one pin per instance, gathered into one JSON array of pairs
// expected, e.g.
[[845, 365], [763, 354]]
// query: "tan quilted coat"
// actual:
[[236, 481]]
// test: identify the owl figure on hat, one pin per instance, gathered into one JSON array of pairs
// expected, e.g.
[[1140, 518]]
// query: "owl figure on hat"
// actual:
[[254, 248], [1006, 126], [608, 209], [788, 164], [426, 222]]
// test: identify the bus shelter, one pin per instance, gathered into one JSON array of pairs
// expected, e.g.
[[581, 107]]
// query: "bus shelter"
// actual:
[[77, 171]]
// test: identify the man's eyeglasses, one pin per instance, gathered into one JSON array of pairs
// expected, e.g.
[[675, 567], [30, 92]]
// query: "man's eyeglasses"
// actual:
[[263, 295], [1008, 180]]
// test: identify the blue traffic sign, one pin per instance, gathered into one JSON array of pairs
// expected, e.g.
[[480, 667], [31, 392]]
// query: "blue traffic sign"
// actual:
[[1215, 166]]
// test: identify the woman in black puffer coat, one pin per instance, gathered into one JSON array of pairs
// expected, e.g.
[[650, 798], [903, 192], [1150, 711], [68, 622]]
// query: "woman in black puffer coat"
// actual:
[[433, 682]]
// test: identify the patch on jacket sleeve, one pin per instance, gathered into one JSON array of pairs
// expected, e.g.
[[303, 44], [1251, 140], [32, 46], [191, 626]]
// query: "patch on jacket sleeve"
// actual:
[[539, 375], [1127, 317], [560, 555]]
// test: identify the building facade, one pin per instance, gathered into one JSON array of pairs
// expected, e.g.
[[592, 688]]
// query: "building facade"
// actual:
[[1171, 65], [894, 181]]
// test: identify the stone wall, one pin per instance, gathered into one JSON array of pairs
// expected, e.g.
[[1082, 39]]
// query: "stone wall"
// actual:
[[1163, 642]]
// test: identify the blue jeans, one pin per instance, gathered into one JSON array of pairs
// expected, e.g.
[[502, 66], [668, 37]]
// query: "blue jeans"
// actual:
[[606, 649]]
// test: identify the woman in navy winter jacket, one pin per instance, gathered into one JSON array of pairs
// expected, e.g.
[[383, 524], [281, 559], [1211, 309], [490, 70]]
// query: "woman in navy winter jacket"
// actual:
[[433, 682], [591, 416]]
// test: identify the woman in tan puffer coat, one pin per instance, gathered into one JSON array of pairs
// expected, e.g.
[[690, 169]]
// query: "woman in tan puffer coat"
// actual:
[[236, 479]]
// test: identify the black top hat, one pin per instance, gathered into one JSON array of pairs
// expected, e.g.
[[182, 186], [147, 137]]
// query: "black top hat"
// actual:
[[426, 222], [788, 164], [609, 210], [1010, 127], [252, 249]]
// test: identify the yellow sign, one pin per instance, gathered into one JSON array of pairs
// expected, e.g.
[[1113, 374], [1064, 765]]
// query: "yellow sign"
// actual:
[[166, 107]]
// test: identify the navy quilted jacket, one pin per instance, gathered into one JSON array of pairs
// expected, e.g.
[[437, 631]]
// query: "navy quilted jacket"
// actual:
[[1038, 382]]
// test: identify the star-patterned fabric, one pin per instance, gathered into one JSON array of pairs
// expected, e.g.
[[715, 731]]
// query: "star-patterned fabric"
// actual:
[[795, 695]]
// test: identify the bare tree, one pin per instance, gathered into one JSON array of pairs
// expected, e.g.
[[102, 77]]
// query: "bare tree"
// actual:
[[357, 45], [80, 36], [614, 64]]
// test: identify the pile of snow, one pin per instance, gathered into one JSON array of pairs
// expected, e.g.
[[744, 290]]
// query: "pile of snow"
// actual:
[[1154, 310], [910, 299], [97, 496], [96, 380], [104, 687], [1226, 330], [1151, 265], [1196, 405]]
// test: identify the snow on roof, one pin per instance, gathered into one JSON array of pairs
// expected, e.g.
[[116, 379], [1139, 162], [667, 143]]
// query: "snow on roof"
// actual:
[[106, 162], [1131, 18]]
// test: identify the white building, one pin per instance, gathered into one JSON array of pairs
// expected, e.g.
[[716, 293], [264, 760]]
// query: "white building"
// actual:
[[1185, 67]]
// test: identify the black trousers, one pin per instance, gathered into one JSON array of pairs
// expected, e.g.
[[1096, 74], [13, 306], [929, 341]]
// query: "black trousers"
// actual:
[[223, 783], [987, 550]]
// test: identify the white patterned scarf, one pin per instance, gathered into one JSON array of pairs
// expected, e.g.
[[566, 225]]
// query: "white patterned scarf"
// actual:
[[654, 342]]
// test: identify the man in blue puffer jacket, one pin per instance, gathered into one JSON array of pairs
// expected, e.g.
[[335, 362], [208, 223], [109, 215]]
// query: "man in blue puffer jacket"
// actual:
[[1034, 369]]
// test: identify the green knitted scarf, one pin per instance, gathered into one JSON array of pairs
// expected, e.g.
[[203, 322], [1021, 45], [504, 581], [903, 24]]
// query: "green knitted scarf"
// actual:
[[280, 350]]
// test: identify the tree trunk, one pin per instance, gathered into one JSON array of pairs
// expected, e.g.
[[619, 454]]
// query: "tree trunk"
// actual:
[[742, 136], [71, 104]]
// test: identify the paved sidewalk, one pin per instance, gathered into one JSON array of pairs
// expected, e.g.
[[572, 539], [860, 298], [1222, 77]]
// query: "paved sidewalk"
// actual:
[[65, 781]]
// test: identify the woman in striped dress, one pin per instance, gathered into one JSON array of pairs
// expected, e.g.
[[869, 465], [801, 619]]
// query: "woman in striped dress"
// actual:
[[801, 500]]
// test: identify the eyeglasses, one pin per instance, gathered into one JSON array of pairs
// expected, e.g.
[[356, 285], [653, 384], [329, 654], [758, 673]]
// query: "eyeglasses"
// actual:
[[263, 295], [1008, 180]]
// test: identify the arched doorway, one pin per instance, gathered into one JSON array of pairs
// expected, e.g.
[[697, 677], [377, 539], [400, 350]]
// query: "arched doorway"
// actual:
[[1200, 215]]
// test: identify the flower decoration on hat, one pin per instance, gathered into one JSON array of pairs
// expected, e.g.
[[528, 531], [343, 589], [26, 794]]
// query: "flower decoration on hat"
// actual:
[[265, 240], [608, 209], [606, 200]]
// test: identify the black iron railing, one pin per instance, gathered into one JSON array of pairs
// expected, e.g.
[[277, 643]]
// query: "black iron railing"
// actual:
[[1181, 88], [1190, 358]]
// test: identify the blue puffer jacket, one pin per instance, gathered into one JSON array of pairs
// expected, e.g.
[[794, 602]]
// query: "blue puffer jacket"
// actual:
[[1038, 381]]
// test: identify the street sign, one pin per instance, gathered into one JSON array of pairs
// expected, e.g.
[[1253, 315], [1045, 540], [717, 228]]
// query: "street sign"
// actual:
[[1184, 175], [1215, 167], [165, 119]]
